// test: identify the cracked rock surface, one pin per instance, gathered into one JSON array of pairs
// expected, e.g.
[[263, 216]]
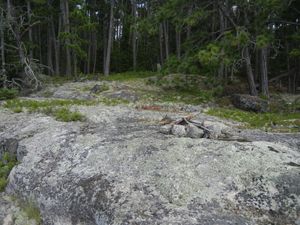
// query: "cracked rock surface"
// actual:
[[116, 168]]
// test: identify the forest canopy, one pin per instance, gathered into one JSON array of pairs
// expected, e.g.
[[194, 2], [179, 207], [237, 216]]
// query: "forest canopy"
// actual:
[[254, 40]]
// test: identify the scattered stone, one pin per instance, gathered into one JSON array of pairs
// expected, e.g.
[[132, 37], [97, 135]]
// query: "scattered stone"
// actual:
[[179, 130], [194, 132], [250, 103]]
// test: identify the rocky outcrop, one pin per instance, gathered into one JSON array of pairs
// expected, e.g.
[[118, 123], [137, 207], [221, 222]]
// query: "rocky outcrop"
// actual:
[[250, 103], [117, 168]]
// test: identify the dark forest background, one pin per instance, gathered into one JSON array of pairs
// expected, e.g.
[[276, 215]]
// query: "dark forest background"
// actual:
[[256, 41]]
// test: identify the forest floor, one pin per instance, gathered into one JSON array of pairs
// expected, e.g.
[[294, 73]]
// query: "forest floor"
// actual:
[[92, 152]]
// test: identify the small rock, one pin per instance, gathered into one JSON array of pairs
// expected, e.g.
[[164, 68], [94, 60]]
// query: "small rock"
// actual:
[[194, 132], [179, 131], [166, 129]]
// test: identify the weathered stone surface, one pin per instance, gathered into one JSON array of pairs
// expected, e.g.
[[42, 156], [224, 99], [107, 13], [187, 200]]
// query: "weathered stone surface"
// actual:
[[115, 168], [250, 103], [194, 132]]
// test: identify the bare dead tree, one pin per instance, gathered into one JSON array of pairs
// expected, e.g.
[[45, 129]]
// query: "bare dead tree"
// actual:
[[17, 27]]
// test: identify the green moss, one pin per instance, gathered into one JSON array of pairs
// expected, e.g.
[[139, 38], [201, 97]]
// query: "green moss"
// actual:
[[6, 93], [269, 121], [129, 76]]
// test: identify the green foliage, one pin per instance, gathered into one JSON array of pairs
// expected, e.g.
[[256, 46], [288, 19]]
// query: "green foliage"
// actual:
[[295, 53], [3, 183], [186, 65], [263, 40], [6, 93], [130, 75], [268, 121], [7, 162]]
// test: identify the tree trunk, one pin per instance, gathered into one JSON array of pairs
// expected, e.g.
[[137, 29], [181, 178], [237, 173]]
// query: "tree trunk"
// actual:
[[264, 83], [166, 34], [105, 30], [109, 41], [161, 45], [178, 43], [88, 63], [2, 45], [189, 28], [49, 49], [29, 30], [250, 76], [64, 5], [134, 36]]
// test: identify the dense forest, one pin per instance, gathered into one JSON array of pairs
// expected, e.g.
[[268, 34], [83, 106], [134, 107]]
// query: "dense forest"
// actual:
[[255, 40]]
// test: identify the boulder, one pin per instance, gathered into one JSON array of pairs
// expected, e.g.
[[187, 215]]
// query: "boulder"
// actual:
[[217, 129], [194, 132], [166, 129], [115, 168], [250, 103], [179, 130]]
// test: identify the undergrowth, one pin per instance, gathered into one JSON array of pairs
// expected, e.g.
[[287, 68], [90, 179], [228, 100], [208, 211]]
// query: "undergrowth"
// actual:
[[131, 75], [6, 93], [281, 122], [6, 164], [59, 109]]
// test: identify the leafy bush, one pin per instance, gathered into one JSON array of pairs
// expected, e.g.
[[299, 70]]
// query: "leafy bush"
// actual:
[[6, 93], [186, 65]]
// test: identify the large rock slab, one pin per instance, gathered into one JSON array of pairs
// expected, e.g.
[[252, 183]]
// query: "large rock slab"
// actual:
[[250, 103], [117, 168]]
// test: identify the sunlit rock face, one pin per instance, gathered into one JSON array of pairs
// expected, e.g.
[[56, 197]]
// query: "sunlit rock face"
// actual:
[[118, 168]]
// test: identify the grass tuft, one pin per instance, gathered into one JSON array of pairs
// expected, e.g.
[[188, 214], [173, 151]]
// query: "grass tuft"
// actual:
[[66, 115]]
